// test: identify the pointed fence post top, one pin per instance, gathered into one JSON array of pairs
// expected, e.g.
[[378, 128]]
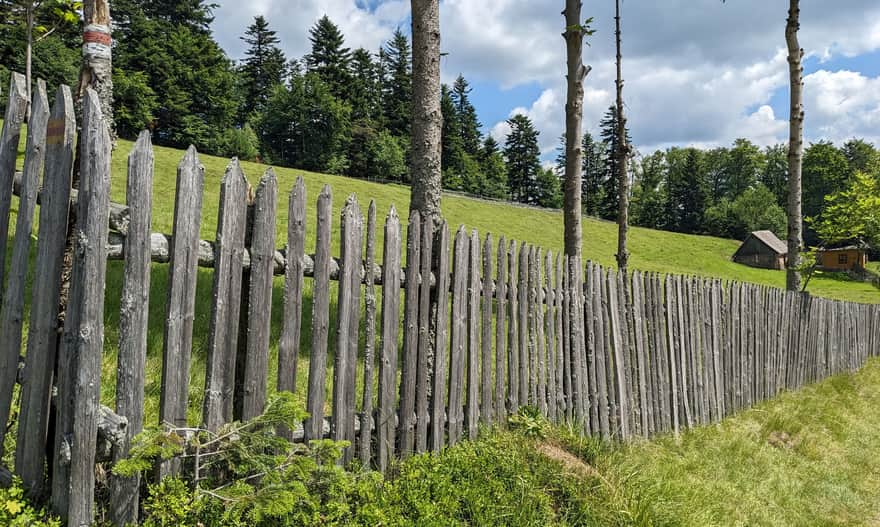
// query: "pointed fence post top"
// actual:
[[233, 174], [392, 215], [62, 120], [17, 100], [298, 189], [40, 102], [143, 150]]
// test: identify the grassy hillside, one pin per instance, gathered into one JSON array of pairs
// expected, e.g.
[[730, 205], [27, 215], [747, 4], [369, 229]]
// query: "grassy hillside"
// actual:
[[651, 250]]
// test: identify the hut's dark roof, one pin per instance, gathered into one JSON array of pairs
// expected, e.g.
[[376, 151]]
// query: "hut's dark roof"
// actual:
[[770, 240]]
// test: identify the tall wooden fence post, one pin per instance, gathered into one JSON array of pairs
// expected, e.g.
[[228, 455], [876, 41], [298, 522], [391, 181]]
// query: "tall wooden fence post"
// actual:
[[225, 304], [16, 106], [386, 425], [36, 389], [84, 326], [12, 311], [132, 357], [256, 370], [182, 274]]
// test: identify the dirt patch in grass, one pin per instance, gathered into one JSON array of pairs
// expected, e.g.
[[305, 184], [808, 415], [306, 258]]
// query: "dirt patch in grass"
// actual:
[[568, 460]]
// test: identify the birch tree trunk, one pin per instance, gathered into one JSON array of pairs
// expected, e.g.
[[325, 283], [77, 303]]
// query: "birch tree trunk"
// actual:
[[795, 148], [97, 67], [426, 117], [623, 150], [574, 110], [28, 61]]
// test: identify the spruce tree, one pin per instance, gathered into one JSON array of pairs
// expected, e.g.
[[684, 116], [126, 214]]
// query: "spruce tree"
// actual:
[[687, 194], [396, 62], [493, 169], [177, 74], [365, 94], [608, 209], [263, 68], [593, 170], [329, 58], [468, 125], [523, 160]]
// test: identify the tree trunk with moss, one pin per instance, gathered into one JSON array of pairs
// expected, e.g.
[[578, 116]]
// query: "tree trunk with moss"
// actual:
[[623, 150]]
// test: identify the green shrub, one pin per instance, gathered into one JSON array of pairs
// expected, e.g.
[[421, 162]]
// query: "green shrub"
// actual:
[[16, 511]]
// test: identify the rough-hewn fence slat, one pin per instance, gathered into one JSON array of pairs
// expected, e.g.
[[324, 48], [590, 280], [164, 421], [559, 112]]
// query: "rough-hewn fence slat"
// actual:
[[12, 310], [16, 106], [84, 325], [30, 455], [133, 323]]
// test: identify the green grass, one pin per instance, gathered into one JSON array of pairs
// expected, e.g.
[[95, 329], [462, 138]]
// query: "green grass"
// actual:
[[731, 473]]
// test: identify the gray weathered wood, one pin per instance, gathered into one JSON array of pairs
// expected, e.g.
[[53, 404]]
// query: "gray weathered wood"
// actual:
[[256, 369], [639, 343], [12, 310], [441, 342], [36, 387], [486, 399], [560, 369], [620, 365], [133, 324], [84, 324], [590, 345], [349, 244], [550, 335], [501, 331], [540, 338], [513, 332], [365, 440], [523, 322], [602, 352], [180, 310], [291, 325], [577, 341], [16, 106], [387, 425], [671, 353], [223, 329], [320, 317], [407, 417], [532, 293], [473, 354], [426, 346], [458, 335], [567, 378]]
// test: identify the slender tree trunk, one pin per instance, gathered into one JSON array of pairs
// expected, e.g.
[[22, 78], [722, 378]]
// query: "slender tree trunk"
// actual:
[[623, 150], [29, 16], [574, 113], [97, 66], [427, 120], [795, 148]]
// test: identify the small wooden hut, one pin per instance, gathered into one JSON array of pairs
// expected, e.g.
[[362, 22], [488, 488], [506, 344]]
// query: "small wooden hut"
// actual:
[[762, 249], [847, 256]]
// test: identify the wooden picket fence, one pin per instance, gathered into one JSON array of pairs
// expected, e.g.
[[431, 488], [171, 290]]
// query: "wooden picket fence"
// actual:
[[470, 332]]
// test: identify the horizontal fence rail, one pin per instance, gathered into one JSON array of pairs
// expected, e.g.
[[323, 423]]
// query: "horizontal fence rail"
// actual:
[[474, 330]]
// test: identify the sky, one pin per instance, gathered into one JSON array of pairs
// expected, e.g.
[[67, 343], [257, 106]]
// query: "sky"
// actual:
[[696, 72]]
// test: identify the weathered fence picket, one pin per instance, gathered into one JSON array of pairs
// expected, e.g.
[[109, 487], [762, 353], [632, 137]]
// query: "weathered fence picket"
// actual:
[[133, 323], [12, 310], [16, 106], [42, 344]]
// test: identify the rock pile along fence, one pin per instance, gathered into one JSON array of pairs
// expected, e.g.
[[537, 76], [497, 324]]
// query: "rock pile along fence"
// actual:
[[472, 330]]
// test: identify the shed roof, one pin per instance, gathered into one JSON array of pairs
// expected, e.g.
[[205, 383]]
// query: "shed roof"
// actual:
[[770, 240]]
